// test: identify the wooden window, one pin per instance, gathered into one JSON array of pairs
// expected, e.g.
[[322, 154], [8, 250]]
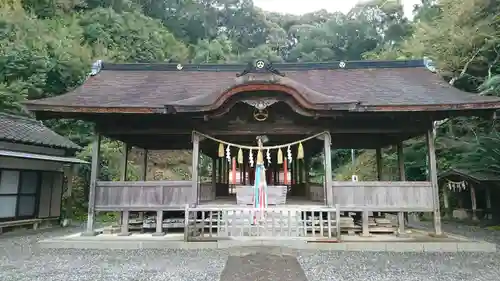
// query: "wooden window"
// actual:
[[9, 185], [28, 187]]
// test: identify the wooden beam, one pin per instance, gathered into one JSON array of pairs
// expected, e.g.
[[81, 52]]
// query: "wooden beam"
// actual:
[[248, 129], [94, 176], [434, 181]]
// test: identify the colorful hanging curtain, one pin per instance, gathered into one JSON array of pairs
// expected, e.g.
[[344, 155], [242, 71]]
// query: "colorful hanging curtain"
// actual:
[[260, 189], [233, 171]]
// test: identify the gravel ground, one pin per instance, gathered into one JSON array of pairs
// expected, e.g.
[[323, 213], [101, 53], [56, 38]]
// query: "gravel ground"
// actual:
[[20, 259]]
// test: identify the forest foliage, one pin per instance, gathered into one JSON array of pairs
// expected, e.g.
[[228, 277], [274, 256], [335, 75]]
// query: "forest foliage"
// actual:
[[47, 47]]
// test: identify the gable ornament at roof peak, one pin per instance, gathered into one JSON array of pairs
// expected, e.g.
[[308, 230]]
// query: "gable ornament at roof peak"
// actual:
[[260, 66]]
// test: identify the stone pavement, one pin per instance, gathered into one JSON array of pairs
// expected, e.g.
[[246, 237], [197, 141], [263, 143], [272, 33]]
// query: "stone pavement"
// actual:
[[262, 266]]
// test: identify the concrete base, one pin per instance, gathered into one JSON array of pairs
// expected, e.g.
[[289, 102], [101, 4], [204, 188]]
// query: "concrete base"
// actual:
[[442, 235], [158, 234], [122, 234], [382, 243], [89, 234]]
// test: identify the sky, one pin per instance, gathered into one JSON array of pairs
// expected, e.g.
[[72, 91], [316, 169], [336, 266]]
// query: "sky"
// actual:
[[299, 7]]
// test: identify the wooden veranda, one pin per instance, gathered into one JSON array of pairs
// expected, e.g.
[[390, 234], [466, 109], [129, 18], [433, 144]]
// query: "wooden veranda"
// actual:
[[365, 104]]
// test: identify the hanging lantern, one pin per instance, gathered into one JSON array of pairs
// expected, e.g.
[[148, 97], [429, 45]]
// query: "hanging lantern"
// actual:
[[300, 151], [280, 157], [240, 156], [221, 150], [268, 156]]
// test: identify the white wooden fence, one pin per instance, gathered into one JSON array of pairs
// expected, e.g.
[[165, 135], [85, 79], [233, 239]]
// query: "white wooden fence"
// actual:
[[309, 223]]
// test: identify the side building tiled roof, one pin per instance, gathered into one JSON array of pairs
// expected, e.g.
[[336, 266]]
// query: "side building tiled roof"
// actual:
[[28, 131]]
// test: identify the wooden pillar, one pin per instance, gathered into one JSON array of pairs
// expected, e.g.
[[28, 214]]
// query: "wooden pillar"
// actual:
[[159, 224], [244, 169], [123, 175], [365, 232], [434, 182], [144, 165], [124, 216], [214, 176], [489, 213], [300, 170], [297, 171], [402, 177], [125, 222], [144, 175], [306, 178], [223, 170], [328, 169], [196, 157], [71, 171], [446, 201], [378, 158], [124, 164], [94, 176], [473, 200], [218, 172]]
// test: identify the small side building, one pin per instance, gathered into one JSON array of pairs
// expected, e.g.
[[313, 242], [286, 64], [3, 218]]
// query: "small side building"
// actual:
[[35, 163], [468, 194]]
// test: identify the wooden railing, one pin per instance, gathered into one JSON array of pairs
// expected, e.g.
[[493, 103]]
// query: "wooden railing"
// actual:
[[309, 223], [143, 195], [383, 196]]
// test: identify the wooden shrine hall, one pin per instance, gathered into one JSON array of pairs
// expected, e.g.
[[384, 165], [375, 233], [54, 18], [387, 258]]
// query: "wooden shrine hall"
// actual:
[[283, 113]]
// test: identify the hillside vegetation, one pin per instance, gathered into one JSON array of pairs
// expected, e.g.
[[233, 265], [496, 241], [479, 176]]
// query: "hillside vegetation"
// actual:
[[47, 47]]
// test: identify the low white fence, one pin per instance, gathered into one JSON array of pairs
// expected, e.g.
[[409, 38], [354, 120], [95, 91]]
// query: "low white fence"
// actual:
[[310, 223]]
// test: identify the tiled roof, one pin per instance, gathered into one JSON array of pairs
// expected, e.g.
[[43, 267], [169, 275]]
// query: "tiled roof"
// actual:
[[28, 131], [364, 83], [473, 175]]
